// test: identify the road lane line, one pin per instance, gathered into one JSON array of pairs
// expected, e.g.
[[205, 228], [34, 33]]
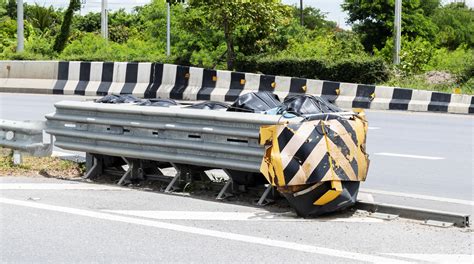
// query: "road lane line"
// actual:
[[236, 216], [208, 232], [418, 196], [436, 258], [374, 128], [59, 186], [408, 156]]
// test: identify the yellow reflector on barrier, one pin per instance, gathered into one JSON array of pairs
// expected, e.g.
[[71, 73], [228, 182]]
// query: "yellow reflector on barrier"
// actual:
[[330, 195]]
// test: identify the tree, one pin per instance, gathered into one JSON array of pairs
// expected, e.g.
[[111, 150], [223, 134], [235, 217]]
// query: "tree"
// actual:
[[40, 17], [87, 23], [244, 23], [3, 8], [313, 18], [373, 19], [11, 9], [63, 36], [456, 25]]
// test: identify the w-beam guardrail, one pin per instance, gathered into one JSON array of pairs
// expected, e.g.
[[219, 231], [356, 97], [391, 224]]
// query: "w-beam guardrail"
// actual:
[[204, 138], [24, 137], [245, 145]]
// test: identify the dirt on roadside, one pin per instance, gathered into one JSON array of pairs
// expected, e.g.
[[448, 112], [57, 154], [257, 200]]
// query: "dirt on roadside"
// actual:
[[39, 167]]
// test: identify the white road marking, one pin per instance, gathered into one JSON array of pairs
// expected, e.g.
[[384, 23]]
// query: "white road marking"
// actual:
[[436, 258], [366, 197], [57, 153], [374, 128], [236, 216], [208, 232], [408, 156], [418, 196], [59, 186]]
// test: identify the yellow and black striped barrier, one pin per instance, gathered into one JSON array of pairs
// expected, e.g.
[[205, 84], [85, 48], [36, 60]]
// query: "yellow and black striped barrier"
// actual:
[[317, 164]]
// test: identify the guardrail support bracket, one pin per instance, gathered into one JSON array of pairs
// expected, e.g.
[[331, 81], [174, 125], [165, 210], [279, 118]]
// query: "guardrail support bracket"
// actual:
[[223, 194], [97, 166], [263, 199]]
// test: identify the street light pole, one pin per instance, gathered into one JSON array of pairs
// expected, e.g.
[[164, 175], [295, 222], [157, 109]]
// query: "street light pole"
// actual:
[[398, 31], [104, 24], [20, 27], [168, 26]]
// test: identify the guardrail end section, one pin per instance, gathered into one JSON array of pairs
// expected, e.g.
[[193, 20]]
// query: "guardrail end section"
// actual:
[[25, 137]]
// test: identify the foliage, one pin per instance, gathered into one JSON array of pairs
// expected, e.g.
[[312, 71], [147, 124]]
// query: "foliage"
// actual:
[[42, 18], [456, 25], [313, 18], [11, 9], [245, 24], [8, 33], [3, 7], [61, 39], [92, 47], [418, 82], [414, 55], [357, 70], [263, 36], [458, 61], [331, 46], [87, 23], [374, 19]]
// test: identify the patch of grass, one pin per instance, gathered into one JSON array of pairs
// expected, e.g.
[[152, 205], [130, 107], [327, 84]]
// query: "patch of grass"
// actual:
[[418, 82], [39, 166]]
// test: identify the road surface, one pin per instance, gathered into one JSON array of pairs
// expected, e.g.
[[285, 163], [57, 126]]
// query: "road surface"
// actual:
[[53, 221]]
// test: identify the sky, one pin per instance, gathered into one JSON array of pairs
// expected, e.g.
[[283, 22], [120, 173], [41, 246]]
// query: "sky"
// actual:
[[332, 8]]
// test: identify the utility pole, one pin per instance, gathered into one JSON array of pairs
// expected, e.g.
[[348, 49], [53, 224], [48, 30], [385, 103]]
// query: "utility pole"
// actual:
[[398, 31], [104, 22], [20, 27], [301, 13], [168, 28]]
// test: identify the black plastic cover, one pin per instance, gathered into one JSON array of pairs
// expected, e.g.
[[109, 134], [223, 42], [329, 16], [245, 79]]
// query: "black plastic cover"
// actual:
[[159, 102], [118, 99], [210, 106], [305, 104], [303, 204], [126, 98], [255, 102]]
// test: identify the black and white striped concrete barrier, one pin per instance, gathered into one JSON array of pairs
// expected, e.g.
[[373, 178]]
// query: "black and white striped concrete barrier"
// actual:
[[156, 80]]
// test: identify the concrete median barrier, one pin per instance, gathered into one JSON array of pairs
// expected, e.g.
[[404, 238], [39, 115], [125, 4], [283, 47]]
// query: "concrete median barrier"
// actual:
[[156, 80]]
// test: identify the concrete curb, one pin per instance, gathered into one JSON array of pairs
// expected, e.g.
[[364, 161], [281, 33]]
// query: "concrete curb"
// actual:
[[156, 80]]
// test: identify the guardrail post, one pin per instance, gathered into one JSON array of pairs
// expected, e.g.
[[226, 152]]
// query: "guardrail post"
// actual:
[[17, 157]]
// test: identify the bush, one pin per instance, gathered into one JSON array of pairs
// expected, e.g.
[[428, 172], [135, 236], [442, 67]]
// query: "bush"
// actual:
[[368, 70], [414, 55], [92, 47], [362, 70], [457, 62]]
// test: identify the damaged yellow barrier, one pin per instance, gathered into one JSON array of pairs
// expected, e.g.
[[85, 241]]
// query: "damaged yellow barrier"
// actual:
[[300, 158]]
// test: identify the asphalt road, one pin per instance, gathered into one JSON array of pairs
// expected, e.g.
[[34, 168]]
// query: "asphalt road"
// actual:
[[53, 221], [413, 153]]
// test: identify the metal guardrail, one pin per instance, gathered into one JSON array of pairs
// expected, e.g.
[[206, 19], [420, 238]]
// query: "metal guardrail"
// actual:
[[460, 220], [24, 136], [213, 139]]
